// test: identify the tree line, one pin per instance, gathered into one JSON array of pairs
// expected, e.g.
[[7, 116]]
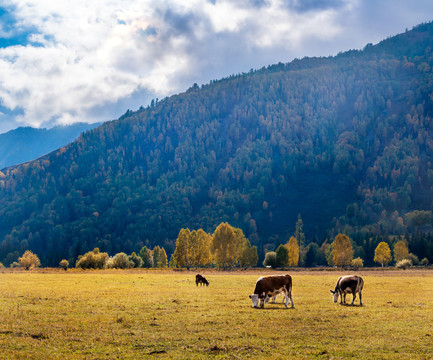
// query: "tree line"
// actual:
[[228, 248]]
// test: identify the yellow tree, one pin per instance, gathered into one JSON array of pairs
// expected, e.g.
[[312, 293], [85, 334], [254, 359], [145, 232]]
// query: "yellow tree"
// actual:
[[29, 260], [342, 252], [401, 251], [293, 249], [382, 254], [247, 254], [182, 252], [200, 248], [225, 246]]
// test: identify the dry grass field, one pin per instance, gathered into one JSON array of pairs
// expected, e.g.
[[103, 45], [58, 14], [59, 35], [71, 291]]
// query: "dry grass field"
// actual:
[[163, 315]]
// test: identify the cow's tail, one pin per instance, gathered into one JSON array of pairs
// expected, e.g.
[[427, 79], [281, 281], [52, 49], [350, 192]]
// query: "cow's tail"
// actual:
[[360, 285]]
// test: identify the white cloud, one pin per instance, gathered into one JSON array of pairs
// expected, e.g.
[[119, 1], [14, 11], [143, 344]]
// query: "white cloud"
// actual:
[[84, 55]]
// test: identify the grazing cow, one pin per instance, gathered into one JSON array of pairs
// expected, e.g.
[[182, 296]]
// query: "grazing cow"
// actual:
[[269, 286], [201, 279], [350, 284]]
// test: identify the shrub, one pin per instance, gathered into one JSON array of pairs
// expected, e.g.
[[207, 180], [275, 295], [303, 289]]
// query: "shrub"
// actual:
[[29, 260], [137, 260], [92, 260], [15, 264], [64, 264], [404, 264], [110, 263], [270, 259], [121, 261], [413, 258], [357, 263], [424, 262], [1, 265]]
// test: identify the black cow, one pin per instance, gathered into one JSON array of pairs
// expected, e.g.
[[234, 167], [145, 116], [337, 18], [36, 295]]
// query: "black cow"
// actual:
[[201, 279], [350, 284]]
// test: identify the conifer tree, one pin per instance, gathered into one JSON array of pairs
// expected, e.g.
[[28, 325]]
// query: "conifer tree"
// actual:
[[282, 254], [299, 232]]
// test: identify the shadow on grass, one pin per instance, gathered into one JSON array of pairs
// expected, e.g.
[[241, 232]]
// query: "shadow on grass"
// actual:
[[351, 305]]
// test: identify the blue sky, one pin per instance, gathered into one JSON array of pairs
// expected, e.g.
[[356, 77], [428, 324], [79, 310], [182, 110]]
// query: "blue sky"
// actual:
[[66, 61]]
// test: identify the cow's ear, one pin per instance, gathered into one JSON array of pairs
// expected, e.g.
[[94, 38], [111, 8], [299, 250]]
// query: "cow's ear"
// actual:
[[249, 296], [332, 292]]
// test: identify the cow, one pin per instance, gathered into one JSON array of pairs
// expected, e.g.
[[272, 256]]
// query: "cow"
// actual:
[[201, 279], [269, 286], [350, 284]]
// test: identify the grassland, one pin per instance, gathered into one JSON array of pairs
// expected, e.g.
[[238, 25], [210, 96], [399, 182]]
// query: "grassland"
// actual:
[[163, 315]]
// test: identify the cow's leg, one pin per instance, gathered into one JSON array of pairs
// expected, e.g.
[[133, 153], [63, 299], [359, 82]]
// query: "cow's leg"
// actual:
[[360, 298], [344, 298], [288, 295], [354, 297], [274, 299], [262, 302]]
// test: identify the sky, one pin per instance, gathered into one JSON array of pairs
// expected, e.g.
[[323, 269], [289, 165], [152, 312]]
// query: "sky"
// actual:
[[69, 61]]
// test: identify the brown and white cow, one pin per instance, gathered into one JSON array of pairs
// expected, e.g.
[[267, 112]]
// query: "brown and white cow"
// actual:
[[199, 279], [269, 286], [349, 284]]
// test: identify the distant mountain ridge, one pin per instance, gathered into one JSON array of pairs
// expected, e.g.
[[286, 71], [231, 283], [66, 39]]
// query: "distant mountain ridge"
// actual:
[[26, 143], [344, 141]]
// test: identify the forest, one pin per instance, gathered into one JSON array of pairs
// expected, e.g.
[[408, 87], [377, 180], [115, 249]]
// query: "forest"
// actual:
[[344, 142]]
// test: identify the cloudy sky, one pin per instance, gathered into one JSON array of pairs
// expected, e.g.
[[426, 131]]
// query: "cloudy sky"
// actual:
[[65, 61]]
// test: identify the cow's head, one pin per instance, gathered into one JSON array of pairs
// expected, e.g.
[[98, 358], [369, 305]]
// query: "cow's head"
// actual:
[[255, 299], [334, 295]]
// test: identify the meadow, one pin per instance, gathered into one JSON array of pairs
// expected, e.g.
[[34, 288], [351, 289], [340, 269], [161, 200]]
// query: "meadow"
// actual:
[[146, 314]]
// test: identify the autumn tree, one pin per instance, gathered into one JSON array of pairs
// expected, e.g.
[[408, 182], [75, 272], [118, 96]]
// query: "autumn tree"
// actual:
[[401, 251], [182, 253], [418, 218], [293, 251], [382, 253], [159, 257], [342, 251], [29, 260], [247, 254], [199, 245], [225, 245]]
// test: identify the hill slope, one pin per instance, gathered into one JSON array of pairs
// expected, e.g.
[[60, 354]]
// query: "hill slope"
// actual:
[[26, 144], [345, 141]]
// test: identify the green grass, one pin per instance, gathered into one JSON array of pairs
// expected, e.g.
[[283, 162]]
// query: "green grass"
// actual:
[[163, 315]]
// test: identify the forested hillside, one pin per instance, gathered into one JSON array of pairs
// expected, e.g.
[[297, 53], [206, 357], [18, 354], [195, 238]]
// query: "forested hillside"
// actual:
[[26, 143], [345, 141]]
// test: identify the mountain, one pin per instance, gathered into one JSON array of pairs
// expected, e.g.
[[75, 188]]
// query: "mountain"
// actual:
[[344, 141], [25, 143]]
